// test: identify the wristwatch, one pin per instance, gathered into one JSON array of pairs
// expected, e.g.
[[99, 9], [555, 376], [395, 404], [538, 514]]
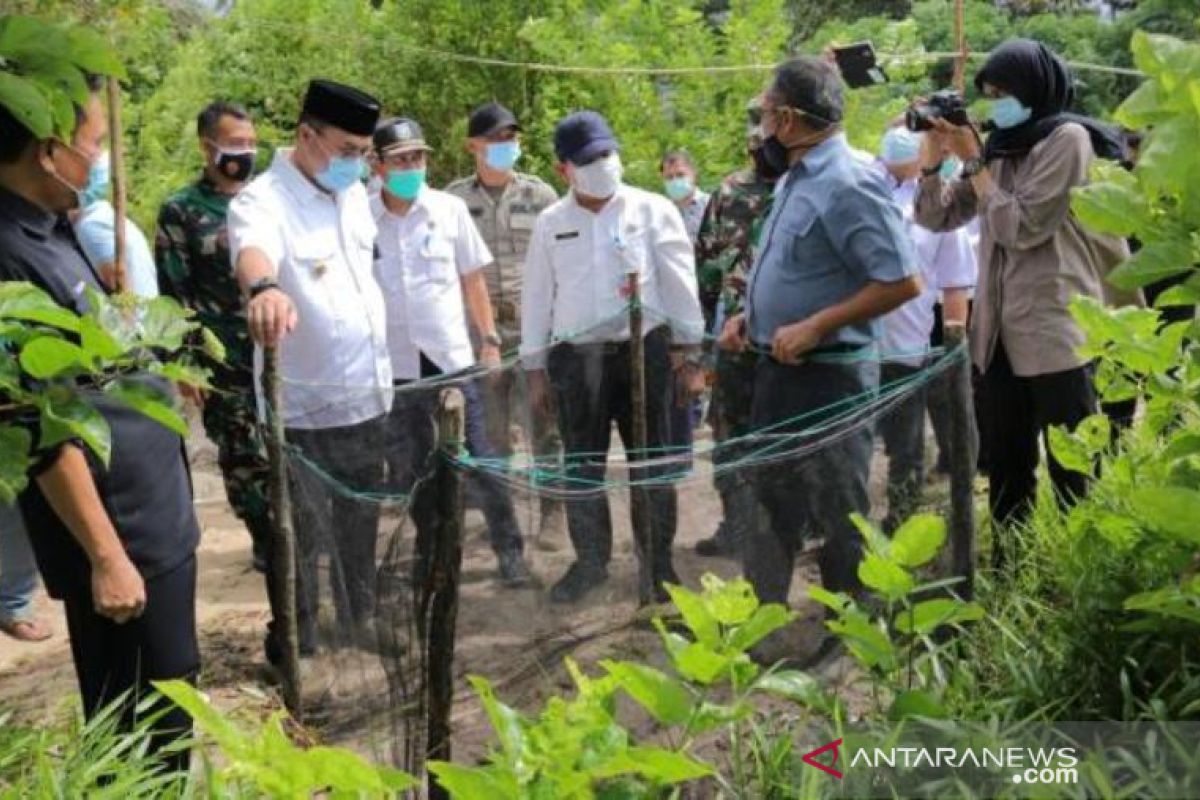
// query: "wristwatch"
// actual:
[[972, 167], [261, 285], [493, 340]]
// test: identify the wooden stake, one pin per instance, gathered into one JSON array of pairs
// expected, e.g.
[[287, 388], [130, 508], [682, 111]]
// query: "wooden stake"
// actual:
[[281, 572], [639, 496], [117, 167], [438, 600], [960, 44], [962, 458]]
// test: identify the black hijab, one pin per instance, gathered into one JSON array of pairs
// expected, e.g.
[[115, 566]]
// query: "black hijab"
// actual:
[[1035, 75]]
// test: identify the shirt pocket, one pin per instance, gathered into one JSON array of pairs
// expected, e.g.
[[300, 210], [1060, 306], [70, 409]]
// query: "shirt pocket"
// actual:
[[436, 257], [808, 245], [312, 258]]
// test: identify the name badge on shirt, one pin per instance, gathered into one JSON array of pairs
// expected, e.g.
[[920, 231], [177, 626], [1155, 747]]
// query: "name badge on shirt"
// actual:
[[558, 237]]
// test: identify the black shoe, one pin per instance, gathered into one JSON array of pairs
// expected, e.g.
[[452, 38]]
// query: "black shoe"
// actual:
[[719, 545], [580, 579], [513, 570], [665, 574]]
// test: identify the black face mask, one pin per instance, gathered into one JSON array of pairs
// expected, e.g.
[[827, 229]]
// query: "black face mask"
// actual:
[[235, 166], [765, 169]]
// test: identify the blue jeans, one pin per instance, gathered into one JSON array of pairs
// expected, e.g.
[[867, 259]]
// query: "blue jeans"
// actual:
[[18, 570]]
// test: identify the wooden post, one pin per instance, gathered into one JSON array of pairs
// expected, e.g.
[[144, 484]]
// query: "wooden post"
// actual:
[[962, 458], [639, 495], [117, 168], [281, 571], [439, 592], [960, 44]]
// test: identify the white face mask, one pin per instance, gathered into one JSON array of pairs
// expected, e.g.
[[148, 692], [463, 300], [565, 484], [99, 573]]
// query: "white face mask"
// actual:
[[598, 179]]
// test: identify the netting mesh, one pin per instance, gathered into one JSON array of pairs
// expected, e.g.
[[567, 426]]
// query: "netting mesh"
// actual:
[[414, 529]]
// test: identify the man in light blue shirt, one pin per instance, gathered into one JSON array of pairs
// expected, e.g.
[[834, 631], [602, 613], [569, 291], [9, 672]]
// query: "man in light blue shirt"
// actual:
[[834, 257], [96, 229]]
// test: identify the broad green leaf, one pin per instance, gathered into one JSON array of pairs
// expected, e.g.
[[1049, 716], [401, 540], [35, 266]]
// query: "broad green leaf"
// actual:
[[233, 742], [699, 664], [658, 765], [1170, 602], [928, 615], [1182, 444], [97, 341], [165, 323], [1183, 294], [14, 462], [211, 345], [177, 372], [870, 645], [26, 102], [799, 687], [506, 722], [476, 783], [731, 603], [711, 716], [874, 538], [833, 601], [1156, 260], [766, 620], [24, 301], [1070, 451], [916, 704], [885, 577], [665, 698], [1113, 203], [351, 773], [918, 540], [148, 400], [1173, 510], [49, 356], [93, 53], [696, 615], [66, 416]]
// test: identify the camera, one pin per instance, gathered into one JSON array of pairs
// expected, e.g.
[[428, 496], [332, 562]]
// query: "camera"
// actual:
[[946, 104]]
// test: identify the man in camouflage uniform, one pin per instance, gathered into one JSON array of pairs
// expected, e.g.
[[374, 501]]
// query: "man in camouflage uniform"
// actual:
[[192, 255], [724, 252], [504, 204]]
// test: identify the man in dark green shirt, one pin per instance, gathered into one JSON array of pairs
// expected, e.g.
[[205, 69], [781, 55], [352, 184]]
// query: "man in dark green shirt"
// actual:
[[192, 254]]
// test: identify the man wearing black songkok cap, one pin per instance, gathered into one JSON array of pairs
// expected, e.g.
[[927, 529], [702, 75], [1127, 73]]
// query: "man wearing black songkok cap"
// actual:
[[301, 237], [1034, 256]]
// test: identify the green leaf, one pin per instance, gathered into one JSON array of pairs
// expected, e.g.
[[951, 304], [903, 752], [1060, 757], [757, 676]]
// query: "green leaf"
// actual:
[[730, 603], [1173, 510], [149, 401], [98, 342], [212, 346], [766, 620], [233, 742], [665, 698], [24, 301], [165, 323], [49, 356], [794, 685], [870, 645], [874, 538], [928, 615], [658, 765], [916, 704], [91, 52], [1113, 203], [14, 462], [834, 601], [885, 577], [1156, 260], [918, 540], [1181, 445], [66, 416], [505, 721], [475, 783], [696, 615], [698, 663], [711, 716], [1070, 451], [25, 101], [177, 372]]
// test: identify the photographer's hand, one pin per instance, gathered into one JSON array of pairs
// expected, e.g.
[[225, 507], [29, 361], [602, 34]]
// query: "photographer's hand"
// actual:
[[960, 140]]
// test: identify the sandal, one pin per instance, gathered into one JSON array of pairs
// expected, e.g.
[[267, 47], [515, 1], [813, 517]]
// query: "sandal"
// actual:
[[26, 630]]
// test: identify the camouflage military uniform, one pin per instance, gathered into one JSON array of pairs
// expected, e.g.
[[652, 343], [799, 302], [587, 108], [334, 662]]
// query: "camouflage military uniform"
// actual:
[[724, 253], [506, 225], [192, 255]]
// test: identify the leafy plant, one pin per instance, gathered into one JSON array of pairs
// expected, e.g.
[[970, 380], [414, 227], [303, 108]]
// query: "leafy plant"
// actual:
[[898, 647], [577, 748]]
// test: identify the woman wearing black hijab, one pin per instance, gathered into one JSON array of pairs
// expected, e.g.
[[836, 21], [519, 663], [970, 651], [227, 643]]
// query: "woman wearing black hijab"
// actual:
[[1034, 257]]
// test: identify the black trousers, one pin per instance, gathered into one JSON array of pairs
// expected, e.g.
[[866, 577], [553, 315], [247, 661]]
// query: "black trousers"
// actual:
[[1021, 410], [814, 494], [119, 661], [333, 468], [411, 439], [592, 386], [903, 431]]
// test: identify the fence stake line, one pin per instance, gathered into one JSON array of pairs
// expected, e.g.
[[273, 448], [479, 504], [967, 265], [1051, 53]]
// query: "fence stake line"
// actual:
[[962, 461]]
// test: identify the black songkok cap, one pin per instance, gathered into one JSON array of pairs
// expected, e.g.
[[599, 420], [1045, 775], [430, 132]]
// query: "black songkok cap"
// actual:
[[341, 106], [490, 118]]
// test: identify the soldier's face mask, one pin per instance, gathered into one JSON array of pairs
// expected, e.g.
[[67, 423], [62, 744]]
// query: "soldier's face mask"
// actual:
[[236, 165]]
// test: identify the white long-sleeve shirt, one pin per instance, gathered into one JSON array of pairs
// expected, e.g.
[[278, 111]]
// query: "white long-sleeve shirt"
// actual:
[[575, 273]]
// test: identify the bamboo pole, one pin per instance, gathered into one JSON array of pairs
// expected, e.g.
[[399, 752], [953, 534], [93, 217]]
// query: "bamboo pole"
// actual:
[[962, 457], [281, 570], [640, 508], [441, 582], [117, 165], [960, 45]]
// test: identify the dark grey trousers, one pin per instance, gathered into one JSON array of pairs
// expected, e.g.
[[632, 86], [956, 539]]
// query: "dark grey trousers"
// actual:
[[902, 428]]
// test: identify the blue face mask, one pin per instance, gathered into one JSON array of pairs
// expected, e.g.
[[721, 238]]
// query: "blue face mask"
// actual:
[[405, 183], [949, 168], [679, 187], [1007, 112], [899, 146], [502, 155], [341, 174], [99, 177]]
